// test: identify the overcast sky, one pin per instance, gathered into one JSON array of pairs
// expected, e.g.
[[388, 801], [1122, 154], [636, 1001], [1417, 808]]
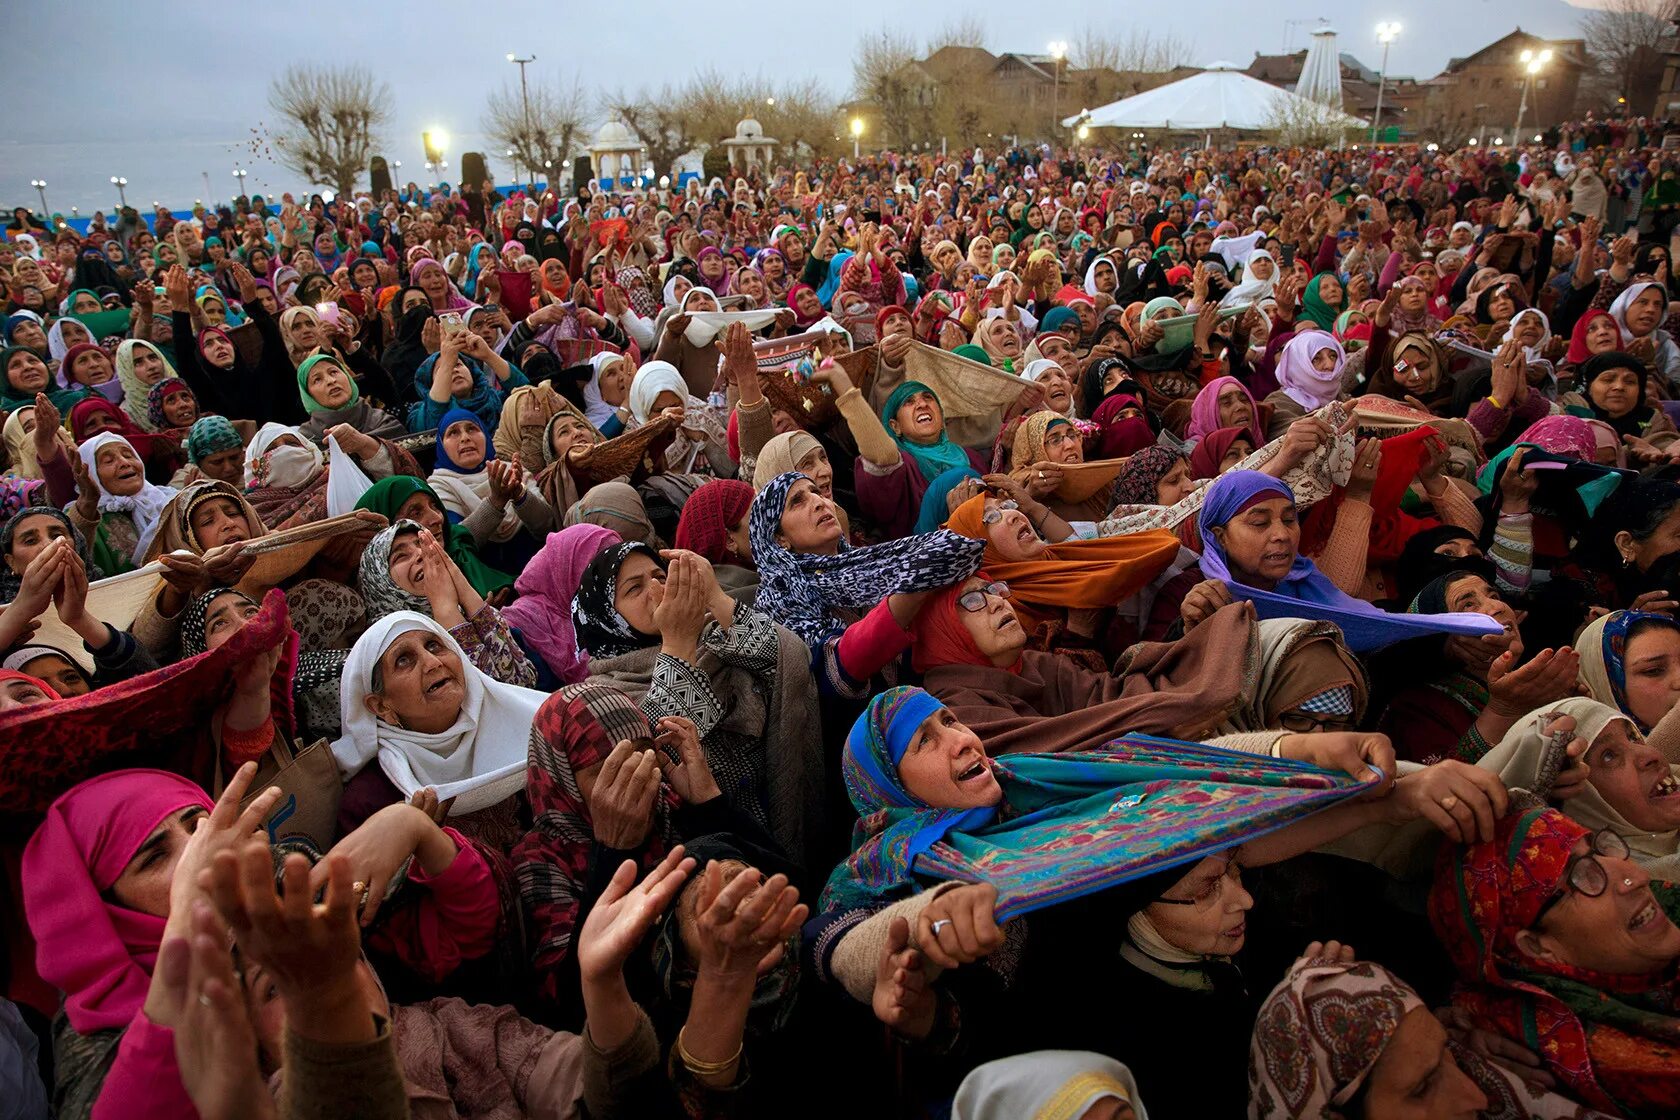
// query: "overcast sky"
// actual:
[[161, 92]]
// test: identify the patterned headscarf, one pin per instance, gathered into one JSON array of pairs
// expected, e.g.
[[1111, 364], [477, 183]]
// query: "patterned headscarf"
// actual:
[[210, 434], [381, 592], [601, 630], [161, 392], [1142, 473], [800, 590], [1563, 435], [709, 514]]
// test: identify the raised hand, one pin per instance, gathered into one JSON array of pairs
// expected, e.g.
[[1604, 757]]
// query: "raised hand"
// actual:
[[903, 999], [621, 918], [621, 802], [743, 925]]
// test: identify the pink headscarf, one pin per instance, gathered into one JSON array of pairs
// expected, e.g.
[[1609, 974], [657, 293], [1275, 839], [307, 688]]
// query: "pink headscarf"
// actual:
[[457, 301], [1204, 410], [1563, 435], [96, 952], [543, 611]]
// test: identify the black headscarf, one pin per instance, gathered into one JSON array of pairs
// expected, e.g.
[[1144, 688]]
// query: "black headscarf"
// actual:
[[1634, 421], [403, 357], [601, 630]]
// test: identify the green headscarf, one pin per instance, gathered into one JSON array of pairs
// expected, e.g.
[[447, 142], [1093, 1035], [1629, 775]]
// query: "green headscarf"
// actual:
[[386, 498], [1314, 308], [933, 459], [973, 353], [310, 404], [11, 399]]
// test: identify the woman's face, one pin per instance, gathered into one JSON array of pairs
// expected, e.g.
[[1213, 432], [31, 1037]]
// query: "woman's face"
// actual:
[[701, 302], [1633, 779], [1622, 932], [816, 467], [1063, 445], [84, 304], [120, 471], [1261, 542], [92, 367], [1501, 307], [63, 677], [1413, 299], [1058, 390], [1330, 291], [615, 382], [1011, 532], [1261, 268], [306, 332], [464, 440], [1414, 370], [810, 307], [568, 432], [224, 617], [29, 333], [435, 284], [1528, 330], [148, 365], [996, 631], [1104, 278], [33, 533], [423, 684], [808, 521], [1234, 409], [1475, 595], [225, 466], [750, 284], [1616, 391], [217, 350], [639, 589], [1644, 313], [73, 333], [329, 385], [218, 521], [412, 299], [920, 419], [420, 508], [144, 883], [945, 766], [1324, 361], [1006, 341], [1602, 335], [1651, 666], [1176, 485], [1416, 1078], [215, 312], [1239, 450], [1207, 911]]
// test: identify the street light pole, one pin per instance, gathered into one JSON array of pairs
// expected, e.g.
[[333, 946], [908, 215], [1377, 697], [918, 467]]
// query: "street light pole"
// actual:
[[40, 186], [239, 174], [1532, 63], [524, 96], [1386, 34], [119, 182], [857, 131], [1058, 51]]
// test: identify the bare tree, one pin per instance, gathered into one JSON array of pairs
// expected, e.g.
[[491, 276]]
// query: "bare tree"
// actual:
[[1627, 39], [965, 31], [674, 120], [330, 117], [881, 76], [542, 135], [1138, 49]]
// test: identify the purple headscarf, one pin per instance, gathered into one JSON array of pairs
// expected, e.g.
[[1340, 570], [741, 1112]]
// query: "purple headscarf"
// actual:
[[457, 301], [1204, 410], [543, 611], [1302, 383]]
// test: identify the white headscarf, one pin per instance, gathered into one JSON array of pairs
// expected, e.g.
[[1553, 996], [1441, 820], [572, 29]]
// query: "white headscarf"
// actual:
[[651, 380], [288, 467], [1538, 350], [145, 506], [1619, 309], [1037, 368], [596, 409], [1047, 1085], [1249, 289], [479, 760], [1091, 274]]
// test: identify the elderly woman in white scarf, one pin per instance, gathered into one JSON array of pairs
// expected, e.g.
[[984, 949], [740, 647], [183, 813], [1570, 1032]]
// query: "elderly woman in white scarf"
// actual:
[[701, 444], [414, 701], [116, 508], [693, 351], [1259, 279], [1640, 311], [1050, 1085]]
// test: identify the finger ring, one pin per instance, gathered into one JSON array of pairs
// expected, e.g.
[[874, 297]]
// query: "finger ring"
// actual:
[[203, 1000], [1448, 801], [1040, 474], [940, 924]]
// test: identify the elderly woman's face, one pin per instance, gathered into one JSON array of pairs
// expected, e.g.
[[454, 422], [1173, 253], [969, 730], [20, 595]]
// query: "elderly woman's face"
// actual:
[[85, 303], [73, 333], [1602, 335], [615, 382], [92, 367], [1011, 532], [996, 631], [1616, 391], [1528, 329], [1261, 268], [464, 440], [700, 302], [1207, 910], [919, 418], [1623, 932], [434, 283], [816, 467], [945, 766], [808, 521], [1651, 664], [810, 306], [329, 385], [1006, 341], [1633, 778], [120, 471], [1261, 542], [1645, 311], [422, 683], [422, 509], [1416, 1078], [1234, 409], [29, 333]]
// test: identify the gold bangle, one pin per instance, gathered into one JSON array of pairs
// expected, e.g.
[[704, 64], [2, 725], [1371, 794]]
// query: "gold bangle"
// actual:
[[1494, 401], [706, 1069]]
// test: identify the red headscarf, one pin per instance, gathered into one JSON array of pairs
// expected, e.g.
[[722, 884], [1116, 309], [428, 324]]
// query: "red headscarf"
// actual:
[[145, 445], [1120, 436], [800, 318], [940, 636], [1210, 452], [707, 517], [1578, 353]]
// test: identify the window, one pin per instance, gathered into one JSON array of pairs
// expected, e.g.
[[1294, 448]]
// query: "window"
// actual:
[[1540, 83]]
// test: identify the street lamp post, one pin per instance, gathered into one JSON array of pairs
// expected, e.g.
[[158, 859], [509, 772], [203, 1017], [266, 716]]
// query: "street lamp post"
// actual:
[[1386, 34], [1058, 51], [857, 131], [119, 182], [524, 94], [40, 186], [1532, 62], [239, 173]]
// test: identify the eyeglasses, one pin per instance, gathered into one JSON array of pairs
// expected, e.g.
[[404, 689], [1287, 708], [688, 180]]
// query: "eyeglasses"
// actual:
[[1584, 874], [975, 600], [1211, 890], [995, 514]]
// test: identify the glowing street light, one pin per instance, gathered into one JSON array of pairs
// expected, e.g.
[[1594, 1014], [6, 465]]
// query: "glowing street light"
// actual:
[[857, 132], [240, 173], [436, 142], [1532, 63], [120, 182], [1084, 131], [1387, 32], [1057, 50], [40, 186]]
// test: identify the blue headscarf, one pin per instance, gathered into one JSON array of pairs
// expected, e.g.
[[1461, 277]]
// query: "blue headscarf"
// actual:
[[825, 294], [16, 319], [933, 512], [455, 416], [483, 401], [1306, 592], [469, 285], [1136, 806], [933, 459]]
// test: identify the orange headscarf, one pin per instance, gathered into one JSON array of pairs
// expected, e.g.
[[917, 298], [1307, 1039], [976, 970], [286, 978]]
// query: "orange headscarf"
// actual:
[[1077, 574], [940, 636]]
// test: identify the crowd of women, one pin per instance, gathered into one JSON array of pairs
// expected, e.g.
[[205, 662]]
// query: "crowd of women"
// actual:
[[1022, 634]]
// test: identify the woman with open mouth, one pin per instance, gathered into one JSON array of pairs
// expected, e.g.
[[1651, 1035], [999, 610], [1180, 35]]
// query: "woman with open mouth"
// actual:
[[1557, 936]]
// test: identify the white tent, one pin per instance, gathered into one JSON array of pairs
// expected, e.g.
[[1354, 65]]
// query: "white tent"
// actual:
[[1219, 97]]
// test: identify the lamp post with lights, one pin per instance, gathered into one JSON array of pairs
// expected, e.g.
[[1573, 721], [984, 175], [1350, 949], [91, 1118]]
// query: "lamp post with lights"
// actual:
[[40, 186], [857, 131], [120, 182], [1532, 63], [1058, 51], [1387, 32]]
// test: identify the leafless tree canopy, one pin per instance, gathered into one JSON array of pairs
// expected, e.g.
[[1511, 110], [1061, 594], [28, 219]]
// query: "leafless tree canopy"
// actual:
[[1626, 39], [878, 77], [1137, 49], [544, 135], [705, 110], [330, 118], [965, 31]]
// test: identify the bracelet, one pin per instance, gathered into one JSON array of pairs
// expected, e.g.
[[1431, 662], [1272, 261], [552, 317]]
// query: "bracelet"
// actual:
[[1494, 401], [706, 1069]]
